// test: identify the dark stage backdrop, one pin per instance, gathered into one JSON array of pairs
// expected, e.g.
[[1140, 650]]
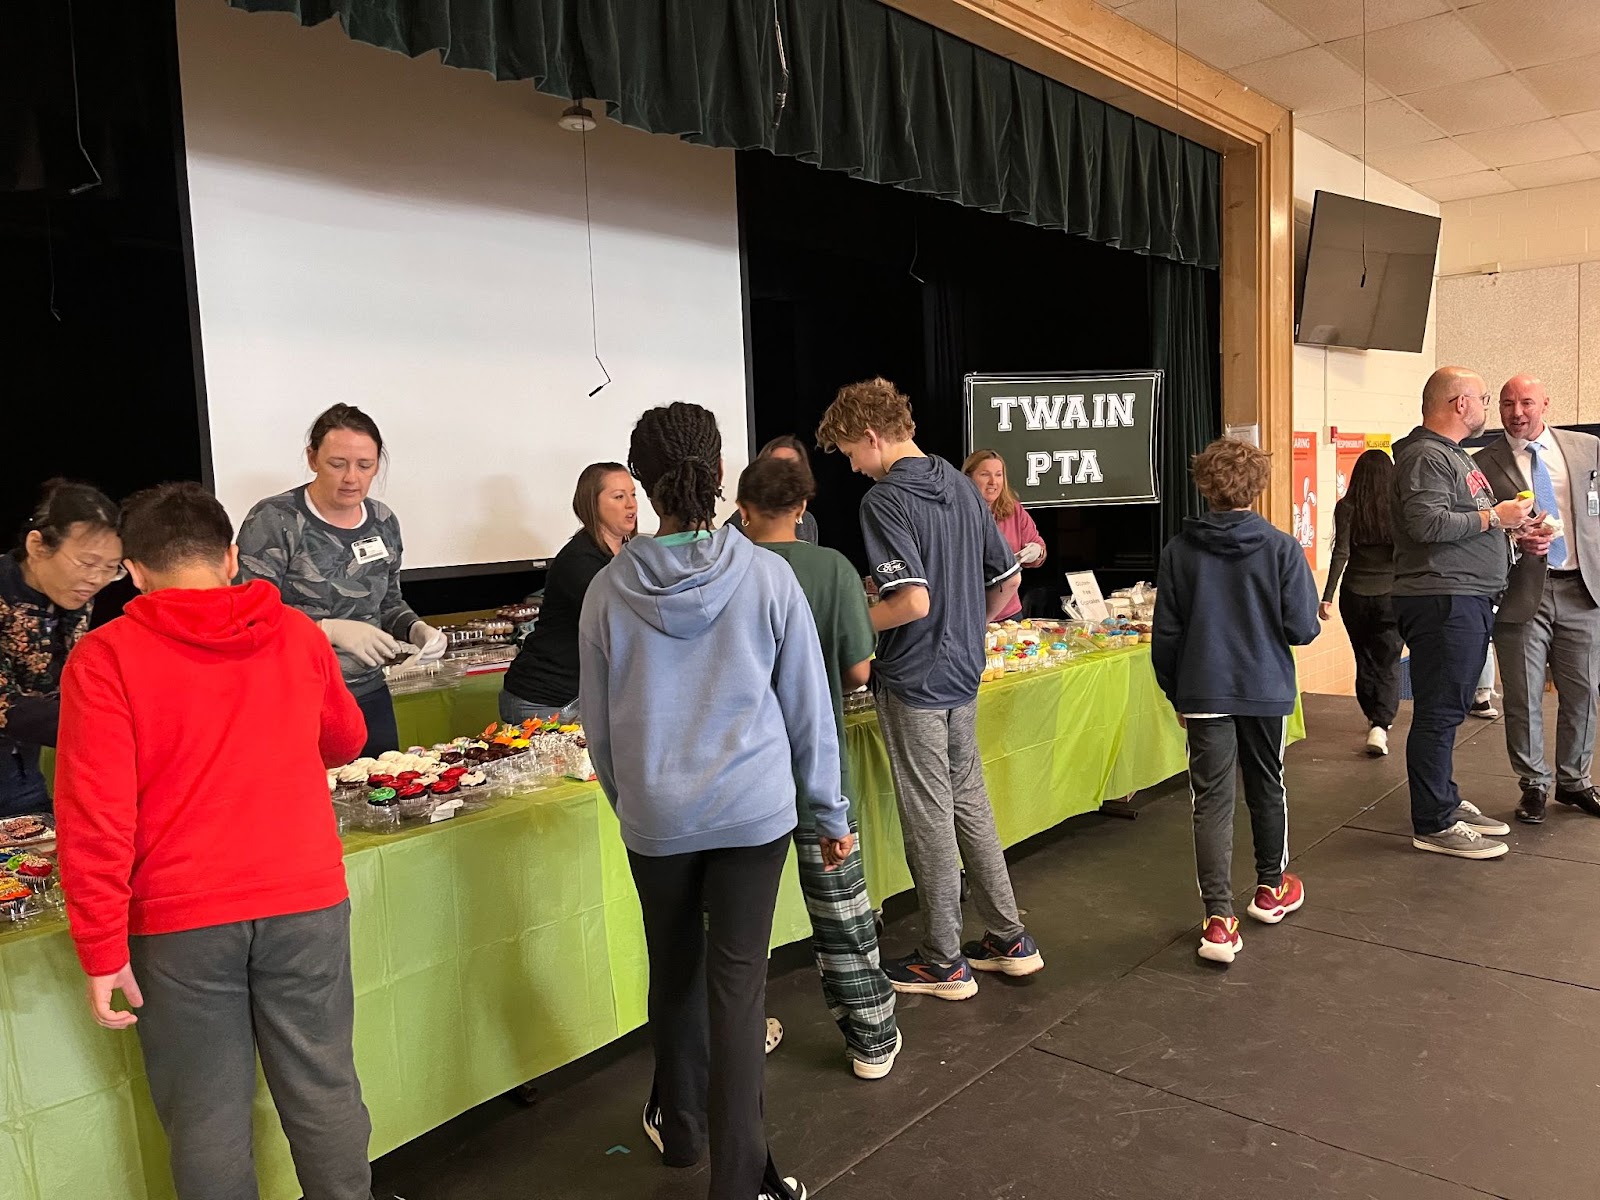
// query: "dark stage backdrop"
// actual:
[[100, 364], [849, 279]]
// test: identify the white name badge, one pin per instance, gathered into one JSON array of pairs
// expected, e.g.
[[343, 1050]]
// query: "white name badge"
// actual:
[[1594, 504], [369, 549]]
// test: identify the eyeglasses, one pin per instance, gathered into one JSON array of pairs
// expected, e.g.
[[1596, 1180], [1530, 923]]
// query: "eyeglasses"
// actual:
[[1484, 398], [110, 572]]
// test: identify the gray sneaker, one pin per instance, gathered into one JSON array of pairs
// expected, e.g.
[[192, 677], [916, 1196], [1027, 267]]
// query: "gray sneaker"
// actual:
[[1471, 815], [1460, 841]]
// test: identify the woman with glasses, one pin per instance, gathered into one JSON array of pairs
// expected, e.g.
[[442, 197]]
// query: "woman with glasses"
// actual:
[[68, 551], [334, 553]]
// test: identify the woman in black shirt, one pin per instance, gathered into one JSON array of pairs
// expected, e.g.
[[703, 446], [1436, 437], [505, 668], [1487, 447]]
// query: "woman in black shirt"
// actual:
[[543, 680], [1363, 554]]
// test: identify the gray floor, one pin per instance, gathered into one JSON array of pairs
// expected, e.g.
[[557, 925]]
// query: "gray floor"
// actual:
[[1424, 1029]]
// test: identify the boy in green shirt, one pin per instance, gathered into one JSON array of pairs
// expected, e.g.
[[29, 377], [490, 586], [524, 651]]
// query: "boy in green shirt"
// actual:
[[773, 492]]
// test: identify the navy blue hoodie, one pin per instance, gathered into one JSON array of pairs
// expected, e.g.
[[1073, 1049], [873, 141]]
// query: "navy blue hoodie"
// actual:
[[1233, 595]]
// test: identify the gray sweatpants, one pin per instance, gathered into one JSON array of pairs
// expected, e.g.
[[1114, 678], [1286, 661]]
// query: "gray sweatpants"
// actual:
[[213, 998], [946, 821], [1565, 634], [1219, 748]]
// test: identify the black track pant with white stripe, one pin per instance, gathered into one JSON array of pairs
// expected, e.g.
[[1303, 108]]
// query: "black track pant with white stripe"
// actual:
[[1219, 746]]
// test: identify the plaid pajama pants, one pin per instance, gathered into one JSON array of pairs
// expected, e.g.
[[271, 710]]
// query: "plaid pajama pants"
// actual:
[[844, 938]]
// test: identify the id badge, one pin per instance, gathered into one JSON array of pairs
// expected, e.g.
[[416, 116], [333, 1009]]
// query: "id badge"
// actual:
[[369, 550], [1594, 504]]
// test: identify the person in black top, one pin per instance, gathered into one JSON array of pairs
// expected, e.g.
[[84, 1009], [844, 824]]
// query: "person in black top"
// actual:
[[69, 550], [1363, 556], [543, 679]]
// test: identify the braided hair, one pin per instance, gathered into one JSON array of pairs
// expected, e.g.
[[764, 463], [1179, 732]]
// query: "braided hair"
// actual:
[[676, 453]]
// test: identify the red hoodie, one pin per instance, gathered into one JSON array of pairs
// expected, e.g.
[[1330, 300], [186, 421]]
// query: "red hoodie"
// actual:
[[190, 776]]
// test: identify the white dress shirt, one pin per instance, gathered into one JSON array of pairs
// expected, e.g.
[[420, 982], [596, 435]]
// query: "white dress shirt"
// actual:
[[1555, 463]]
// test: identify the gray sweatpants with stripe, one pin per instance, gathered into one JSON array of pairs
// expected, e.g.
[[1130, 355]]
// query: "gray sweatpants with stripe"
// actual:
[[946, 820], [1218, 747]]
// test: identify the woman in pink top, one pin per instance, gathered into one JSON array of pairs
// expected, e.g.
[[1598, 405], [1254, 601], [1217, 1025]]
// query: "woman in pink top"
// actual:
[[987, 471]]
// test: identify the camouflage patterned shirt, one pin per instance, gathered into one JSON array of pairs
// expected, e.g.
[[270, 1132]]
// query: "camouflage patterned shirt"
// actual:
[[325, 571]]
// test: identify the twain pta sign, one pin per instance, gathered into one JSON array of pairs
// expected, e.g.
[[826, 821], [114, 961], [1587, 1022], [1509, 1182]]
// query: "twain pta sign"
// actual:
[[1073, 438]]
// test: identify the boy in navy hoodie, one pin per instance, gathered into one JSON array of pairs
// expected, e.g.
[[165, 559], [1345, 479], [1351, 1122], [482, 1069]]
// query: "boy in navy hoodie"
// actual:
[[1235, 595]]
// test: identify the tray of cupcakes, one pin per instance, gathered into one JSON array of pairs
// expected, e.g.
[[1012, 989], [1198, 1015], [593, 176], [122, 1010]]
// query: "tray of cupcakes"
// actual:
[[29, 886], [405, 788]]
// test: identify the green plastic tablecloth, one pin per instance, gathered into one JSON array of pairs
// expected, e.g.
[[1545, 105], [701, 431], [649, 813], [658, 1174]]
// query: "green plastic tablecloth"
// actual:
[[500, 945]]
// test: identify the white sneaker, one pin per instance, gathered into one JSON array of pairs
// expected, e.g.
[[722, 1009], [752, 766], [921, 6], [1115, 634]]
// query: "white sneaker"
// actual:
[[797, 1191], [1377, 741], [866, 1070], [774, 1033]]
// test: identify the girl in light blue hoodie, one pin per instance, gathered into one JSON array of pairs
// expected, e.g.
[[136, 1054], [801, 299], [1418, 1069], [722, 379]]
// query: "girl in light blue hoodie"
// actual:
[[708, 715]]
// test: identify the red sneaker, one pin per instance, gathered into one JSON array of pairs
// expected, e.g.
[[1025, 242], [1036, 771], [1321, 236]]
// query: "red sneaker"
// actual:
[[1220, 939], [1272, 905]]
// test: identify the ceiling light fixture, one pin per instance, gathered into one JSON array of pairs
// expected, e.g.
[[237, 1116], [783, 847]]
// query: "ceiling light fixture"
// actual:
[[577, 119]]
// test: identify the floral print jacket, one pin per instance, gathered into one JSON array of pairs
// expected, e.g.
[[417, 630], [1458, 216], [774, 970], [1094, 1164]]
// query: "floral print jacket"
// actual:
[[35, 637]]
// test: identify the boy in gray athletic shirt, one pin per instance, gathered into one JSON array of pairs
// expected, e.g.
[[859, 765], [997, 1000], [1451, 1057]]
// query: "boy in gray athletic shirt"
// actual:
[[943, 571]]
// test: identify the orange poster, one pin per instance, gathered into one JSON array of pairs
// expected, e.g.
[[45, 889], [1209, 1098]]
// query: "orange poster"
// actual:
[[1303, 494], [1347, 447]]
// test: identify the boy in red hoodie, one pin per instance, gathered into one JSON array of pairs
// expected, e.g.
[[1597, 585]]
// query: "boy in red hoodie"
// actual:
[[206, 886]]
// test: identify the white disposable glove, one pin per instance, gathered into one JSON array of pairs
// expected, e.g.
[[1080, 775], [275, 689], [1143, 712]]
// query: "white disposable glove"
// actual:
[[429, 640], [1030, 554], [367, 644]]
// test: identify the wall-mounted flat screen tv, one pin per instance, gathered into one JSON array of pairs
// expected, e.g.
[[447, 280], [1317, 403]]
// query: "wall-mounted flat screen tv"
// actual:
[[1369, 275]]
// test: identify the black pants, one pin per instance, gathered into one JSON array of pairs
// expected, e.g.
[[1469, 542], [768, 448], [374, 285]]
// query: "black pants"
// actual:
[[383, 733], [708, 922], [1375, 638], [213, 999], [1449, 640], [1219, 746]]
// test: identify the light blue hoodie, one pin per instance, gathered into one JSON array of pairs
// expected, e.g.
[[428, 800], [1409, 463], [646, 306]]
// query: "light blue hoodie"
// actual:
[[704, 698]]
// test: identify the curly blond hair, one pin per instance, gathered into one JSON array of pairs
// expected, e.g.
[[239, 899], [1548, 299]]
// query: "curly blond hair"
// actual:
[[874, 404], [1231, 473]]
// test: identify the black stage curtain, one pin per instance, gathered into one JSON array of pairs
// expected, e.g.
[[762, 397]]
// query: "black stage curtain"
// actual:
[[1184, 343], [847, 85]]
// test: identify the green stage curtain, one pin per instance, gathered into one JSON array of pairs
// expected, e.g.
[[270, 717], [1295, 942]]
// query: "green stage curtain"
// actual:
[[1184, 344], [869, 91]]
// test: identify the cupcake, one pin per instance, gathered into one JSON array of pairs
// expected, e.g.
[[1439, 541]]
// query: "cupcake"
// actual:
[[474, 779], [28, 867], [381, 797], [14, 896], [381, 781], [446, 787]]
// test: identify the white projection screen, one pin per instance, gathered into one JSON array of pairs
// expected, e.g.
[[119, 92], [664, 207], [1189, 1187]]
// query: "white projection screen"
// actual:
[[410, 238]]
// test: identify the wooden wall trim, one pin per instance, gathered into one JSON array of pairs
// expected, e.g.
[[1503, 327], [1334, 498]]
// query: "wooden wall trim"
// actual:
[[1096, 51]]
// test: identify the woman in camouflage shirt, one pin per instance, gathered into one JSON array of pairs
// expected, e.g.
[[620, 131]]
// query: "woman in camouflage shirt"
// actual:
[[335, 555], [69, 550]]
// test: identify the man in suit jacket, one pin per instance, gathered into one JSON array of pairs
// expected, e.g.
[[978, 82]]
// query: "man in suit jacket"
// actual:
[[1549, 616]]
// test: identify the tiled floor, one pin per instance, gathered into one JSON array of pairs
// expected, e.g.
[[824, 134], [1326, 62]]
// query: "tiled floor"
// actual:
[[1425, 1029]]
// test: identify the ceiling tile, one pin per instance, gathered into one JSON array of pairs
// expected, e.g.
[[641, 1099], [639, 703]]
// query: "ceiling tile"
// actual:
[[1389, 123], [1566, 87], [1225, 33], [1535, 142], [1419, 55], [1330, 20], [1586, 126], [1307, 81], [1463, 187], [1557, 170], [1475, 104], [1425, 160], [1526, 33]]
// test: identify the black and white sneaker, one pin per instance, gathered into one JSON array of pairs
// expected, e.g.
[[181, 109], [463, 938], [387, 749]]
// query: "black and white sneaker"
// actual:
[[791, 1189], [652, 1125], [1484, 710]]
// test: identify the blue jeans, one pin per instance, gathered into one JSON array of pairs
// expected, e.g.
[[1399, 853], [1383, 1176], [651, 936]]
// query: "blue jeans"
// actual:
[[514, 710], [22, 785], [1448, 637]]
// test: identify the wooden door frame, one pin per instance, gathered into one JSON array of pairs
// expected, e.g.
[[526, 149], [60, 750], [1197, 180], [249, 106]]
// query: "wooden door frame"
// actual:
[[1096, 51]]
